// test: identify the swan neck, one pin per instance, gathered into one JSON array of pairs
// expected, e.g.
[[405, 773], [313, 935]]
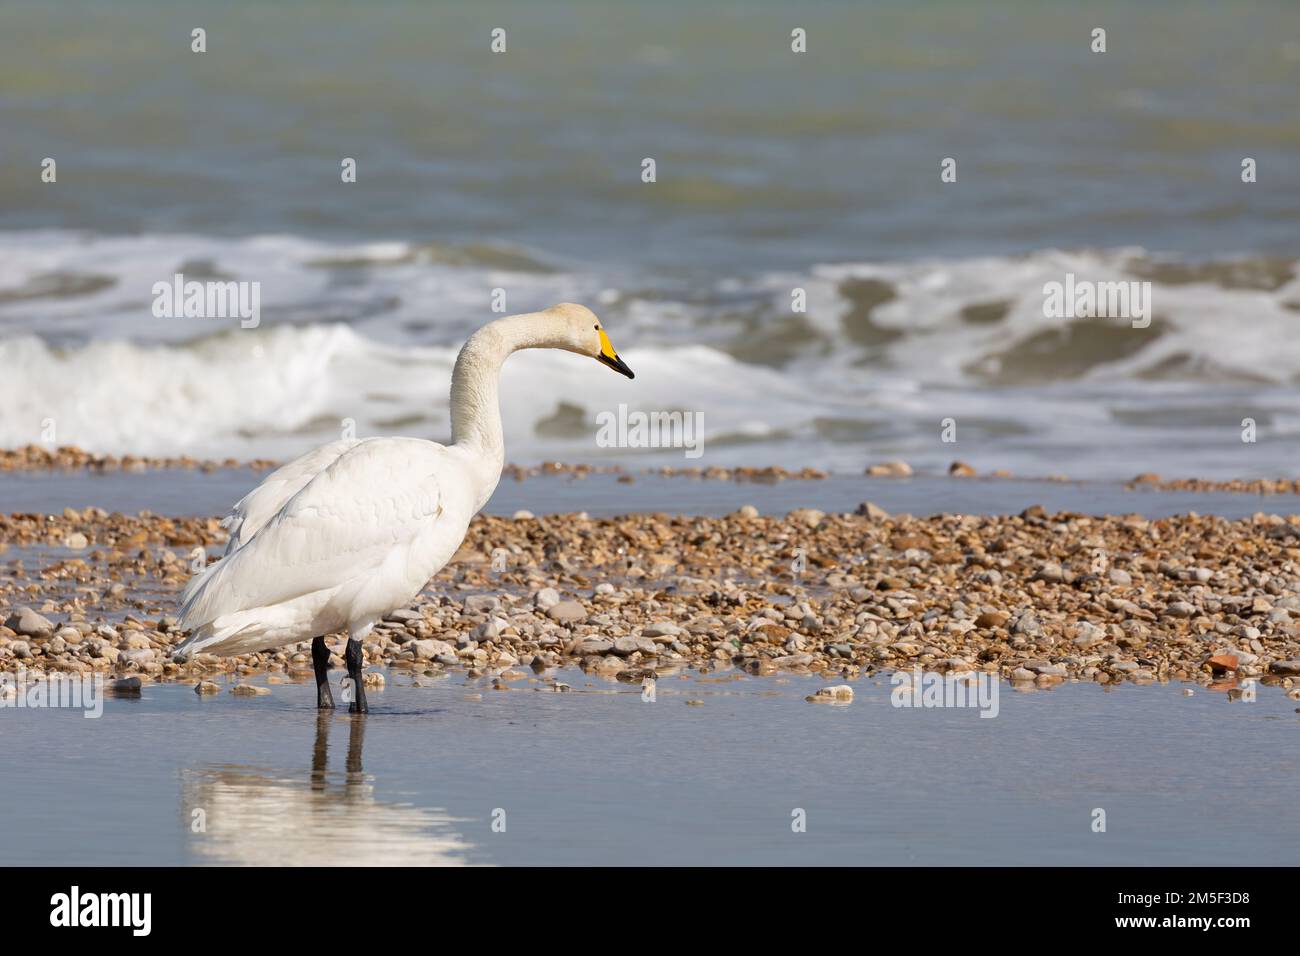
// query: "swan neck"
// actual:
[[475, 386]]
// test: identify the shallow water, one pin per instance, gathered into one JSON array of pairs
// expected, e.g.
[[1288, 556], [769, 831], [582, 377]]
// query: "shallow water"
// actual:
[[177, 492], [599, 776]]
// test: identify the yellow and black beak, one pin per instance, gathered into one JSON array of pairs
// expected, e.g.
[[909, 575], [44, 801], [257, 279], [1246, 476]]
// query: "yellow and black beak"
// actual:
[[609, 357]]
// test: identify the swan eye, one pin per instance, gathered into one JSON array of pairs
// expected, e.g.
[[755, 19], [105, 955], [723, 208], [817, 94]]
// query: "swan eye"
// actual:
[[596, 327]]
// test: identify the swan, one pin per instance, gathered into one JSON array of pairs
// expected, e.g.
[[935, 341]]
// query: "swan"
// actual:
[[353, 530]]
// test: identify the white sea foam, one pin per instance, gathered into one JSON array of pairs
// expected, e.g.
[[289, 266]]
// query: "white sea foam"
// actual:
[[368, 332], [279, 392]]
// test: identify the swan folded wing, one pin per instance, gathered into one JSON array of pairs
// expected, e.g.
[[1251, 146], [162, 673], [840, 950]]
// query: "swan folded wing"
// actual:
[[262, 504], [352, 524]]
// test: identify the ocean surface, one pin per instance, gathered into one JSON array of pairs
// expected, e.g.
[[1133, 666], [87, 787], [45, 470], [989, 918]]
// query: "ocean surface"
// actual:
[[521, 171], [455, 773]]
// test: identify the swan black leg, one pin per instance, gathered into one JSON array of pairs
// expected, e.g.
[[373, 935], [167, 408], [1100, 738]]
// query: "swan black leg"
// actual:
[[320, 659], [355, 661]]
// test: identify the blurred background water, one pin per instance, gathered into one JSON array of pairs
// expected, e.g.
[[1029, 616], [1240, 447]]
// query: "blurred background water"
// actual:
[[776, 171]]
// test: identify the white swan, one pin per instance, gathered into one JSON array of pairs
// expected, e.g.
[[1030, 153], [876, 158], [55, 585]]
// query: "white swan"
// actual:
[[355, 529]]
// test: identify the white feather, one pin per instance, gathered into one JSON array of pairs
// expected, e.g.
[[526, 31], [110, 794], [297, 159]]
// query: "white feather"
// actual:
[[260, 505]]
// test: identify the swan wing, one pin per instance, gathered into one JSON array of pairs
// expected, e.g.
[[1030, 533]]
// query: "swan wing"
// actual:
[[261, 504], [363, 536]]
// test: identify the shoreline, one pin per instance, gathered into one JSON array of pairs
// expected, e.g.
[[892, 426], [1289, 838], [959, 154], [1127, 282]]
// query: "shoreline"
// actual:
[[73, 459], [1035, 598], [184, 493]]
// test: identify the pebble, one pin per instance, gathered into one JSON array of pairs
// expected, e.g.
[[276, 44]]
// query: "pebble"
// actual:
[[1044, 669], [627, 646], [567, 612], [27, 622], [429, 648], [546, 598], [249, 690], [661, 629], [490, 629], [126, 687], [890, 469], [793, 660], [1051, 573], [869, 509], [403, 616], [839, 694], [481, 603], [1089, 635], [105, 651], [808, 517]]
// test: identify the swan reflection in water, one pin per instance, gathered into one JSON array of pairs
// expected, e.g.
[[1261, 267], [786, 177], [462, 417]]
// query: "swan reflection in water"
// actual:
[[252, 817]]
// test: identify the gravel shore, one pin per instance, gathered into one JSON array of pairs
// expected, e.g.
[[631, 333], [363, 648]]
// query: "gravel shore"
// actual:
[[1036, 598]]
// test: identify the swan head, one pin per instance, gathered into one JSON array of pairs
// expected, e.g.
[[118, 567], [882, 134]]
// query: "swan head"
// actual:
[[581, 332]]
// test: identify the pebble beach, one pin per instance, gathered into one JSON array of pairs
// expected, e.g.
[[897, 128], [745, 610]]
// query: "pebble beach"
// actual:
[[1036, 598]]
